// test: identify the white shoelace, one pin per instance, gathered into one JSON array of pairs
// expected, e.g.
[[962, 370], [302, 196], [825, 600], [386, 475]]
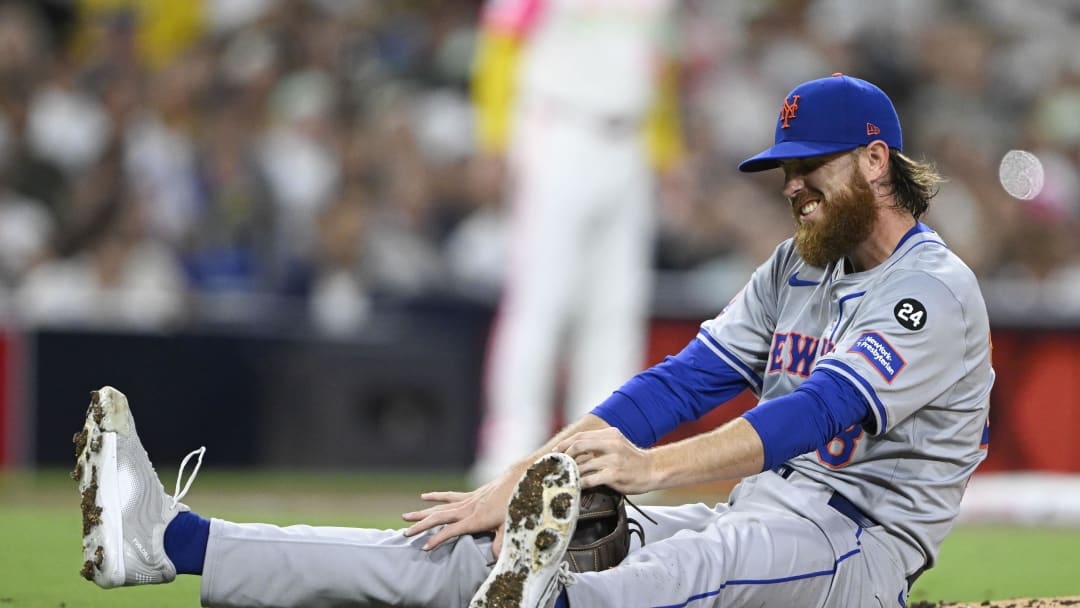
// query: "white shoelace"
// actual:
[[565, 575], [178, 494]]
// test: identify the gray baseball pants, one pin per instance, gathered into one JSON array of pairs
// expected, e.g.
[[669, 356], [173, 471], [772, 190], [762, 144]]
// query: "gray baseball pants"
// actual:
[[775, 544]]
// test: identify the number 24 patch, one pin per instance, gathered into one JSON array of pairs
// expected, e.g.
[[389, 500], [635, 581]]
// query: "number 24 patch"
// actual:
[[910, 313]]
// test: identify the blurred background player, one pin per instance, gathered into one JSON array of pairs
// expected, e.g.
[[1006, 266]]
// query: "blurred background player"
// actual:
[[579, 97]]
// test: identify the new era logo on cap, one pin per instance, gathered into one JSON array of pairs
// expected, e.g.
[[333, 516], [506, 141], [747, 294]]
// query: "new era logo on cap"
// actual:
[[829, 115]]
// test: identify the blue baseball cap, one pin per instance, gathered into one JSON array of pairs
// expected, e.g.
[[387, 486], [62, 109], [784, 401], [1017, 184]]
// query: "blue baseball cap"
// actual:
[[829, 115]]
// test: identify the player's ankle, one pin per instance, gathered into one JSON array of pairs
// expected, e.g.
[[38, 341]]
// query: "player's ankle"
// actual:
[[185, 542]]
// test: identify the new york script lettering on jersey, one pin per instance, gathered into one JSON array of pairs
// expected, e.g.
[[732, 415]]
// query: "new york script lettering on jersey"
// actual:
[[912, 335]]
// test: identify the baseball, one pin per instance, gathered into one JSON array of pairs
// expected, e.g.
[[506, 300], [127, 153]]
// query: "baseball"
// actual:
[[1021, 174]]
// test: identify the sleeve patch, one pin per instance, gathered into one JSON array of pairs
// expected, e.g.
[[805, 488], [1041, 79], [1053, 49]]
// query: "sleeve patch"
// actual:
[[878, 352], [911, 314]]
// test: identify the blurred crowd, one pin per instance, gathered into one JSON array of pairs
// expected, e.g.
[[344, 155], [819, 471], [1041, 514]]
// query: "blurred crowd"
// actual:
[[162, 162]]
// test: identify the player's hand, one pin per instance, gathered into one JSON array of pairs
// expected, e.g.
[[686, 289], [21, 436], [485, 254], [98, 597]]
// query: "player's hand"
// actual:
[[606, 457], [482, 510]]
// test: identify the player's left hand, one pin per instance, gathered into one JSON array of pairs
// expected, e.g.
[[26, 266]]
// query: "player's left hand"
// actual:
[[482, 510], [606, 457]]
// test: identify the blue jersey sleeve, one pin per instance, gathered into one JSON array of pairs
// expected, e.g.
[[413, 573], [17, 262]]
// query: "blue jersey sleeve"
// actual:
[[808, 417], [681, 388]]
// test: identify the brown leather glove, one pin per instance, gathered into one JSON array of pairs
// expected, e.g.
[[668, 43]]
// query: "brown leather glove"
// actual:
[[602, 537]]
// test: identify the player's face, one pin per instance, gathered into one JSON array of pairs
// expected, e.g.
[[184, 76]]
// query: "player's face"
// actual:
[[832, 203]]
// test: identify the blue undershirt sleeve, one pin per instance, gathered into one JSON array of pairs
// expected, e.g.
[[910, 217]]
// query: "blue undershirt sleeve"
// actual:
[[808, 417], [683, 387]]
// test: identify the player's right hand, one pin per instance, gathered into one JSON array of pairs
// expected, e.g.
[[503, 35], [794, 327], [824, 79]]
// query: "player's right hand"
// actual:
[[482, 510]]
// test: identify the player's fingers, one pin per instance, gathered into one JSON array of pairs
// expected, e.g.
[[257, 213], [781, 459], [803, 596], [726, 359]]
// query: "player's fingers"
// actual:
[[444, 496], [611, 470], [594, 435], [437, 539], [585, 445], [446, 533], [594, 478], [569, 441], [430, 520], [413, 516], [427, 512], [591, 471], [582, 458], [420, 526], [448, 500]]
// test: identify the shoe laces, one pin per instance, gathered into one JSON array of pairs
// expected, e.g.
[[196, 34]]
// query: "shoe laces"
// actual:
[[563, 577], [640, 512], [634, 526], [179, 494]]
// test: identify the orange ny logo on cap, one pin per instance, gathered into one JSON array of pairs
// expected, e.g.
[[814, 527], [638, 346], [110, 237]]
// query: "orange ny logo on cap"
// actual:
[[788, 111]]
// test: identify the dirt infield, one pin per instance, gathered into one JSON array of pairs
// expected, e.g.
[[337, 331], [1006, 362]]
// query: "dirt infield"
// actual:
[[1018, 603]]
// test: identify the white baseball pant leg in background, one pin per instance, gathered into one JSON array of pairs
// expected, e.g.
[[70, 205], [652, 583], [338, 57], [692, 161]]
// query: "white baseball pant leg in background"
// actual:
[[580, 276]]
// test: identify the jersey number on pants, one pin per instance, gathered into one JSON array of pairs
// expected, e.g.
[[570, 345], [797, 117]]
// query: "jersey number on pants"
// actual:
[[839, 450]]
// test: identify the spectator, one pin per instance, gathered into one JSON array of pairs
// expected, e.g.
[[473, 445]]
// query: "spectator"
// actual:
[[122, 278], [243, 122], [339, 302]]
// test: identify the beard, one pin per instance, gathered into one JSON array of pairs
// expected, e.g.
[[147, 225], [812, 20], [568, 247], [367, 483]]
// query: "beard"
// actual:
[[848, 219]]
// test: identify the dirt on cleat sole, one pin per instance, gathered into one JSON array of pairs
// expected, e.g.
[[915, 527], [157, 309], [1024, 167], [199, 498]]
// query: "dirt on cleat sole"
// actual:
[[88, 506], [91, 512], [540, 519], [505, 590], [88, 442]]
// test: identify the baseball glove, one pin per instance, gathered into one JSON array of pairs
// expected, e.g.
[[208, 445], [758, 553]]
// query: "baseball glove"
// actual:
[[602, 537]]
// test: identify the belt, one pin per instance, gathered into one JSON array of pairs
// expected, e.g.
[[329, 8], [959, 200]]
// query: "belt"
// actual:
[[847, 509], [838, 502]]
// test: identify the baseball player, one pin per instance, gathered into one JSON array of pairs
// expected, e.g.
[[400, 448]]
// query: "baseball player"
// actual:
[[866, 339], [571, 92]]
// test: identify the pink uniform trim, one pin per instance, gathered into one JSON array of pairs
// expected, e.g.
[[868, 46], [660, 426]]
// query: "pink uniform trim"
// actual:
[[516, 17]]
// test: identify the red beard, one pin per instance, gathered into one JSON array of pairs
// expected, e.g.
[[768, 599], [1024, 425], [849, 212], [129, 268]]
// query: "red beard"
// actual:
[[848, 219]]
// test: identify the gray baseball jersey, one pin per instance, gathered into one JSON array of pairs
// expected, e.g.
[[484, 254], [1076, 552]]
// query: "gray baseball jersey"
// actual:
[[912, 335]]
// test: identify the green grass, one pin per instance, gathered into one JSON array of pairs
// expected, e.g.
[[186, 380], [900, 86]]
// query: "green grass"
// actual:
[[40, 526], [1003, 562], [41, 557]]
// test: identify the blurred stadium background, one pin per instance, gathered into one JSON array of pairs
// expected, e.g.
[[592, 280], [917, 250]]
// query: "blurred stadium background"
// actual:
[[267, 222]]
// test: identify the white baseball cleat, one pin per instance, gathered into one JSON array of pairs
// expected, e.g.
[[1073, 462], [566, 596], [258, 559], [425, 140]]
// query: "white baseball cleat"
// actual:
[[124, 507], [540, 521]]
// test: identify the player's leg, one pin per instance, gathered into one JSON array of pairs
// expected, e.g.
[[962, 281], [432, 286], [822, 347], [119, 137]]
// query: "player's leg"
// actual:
[[263, 565], [540, 522], [660, 522], [134, 533], [778, 543], [546, 233], [608, 336], [784, 546], [743, 560]]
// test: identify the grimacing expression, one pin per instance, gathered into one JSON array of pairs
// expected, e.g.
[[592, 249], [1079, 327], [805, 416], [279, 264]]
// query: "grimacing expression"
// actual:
[[845, 215]]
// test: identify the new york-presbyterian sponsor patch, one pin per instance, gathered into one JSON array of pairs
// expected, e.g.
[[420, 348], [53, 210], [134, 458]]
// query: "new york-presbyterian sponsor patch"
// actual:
[[877, 351]]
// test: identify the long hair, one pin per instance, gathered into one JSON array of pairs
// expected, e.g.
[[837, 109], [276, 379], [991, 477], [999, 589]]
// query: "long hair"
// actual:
[[913, 182]]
